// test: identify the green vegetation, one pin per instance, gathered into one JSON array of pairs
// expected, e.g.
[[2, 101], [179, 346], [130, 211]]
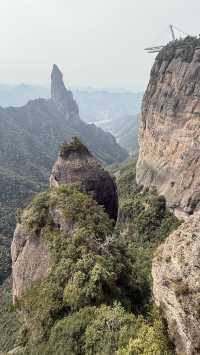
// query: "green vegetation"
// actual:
[[15, 191], [30, 137], [75, 145], [97, 296], [144, 221], [9, 325], [90, 266]]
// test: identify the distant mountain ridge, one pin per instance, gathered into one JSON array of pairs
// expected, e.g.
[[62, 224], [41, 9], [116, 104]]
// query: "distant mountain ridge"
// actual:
[[115, 111]]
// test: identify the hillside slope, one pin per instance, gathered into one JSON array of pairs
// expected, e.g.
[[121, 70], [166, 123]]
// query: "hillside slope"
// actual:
[[105, 108]]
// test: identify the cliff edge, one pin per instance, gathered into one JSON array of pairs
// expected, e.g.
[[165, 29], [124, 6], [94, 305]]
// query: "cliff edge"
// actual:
[[169, 156]]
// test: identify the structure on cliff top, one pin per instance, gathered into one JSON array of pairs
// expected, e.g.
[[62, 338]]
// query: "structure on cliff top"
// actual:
[[157, 49]]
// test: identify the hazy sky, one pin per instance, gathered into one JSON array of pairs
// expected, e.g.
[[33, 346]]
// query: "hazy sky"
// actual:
[[96, 43]]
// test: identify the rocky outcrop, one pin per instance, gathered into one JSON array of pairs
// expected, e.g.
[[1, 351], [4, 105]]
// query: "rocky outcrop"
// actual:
[[76, 164], [176, 285], [169, 156], [31, 259]]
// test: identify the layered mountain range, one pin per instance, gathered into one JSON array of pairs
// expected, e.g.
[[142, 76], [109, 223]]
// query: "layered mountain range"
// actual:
[[114, 111]]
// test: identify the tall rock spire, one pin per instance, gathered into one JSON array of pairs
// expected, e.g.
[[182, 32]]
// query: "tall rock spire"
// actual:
[[62, 97]]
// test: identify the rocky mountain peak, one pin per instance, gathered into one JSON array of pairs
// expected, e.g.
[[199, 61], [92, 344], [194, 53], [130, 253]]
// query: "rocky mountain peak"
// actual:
[[62, 97]]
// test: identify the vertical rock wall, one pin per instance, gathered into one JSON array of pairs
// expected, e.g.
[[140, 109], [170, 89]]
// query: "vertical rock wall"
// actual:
[[169, 156]]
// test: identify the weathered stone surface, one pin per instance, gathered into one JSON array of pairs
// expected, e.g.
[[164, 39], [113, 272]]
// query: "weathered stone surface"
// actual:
[[169, 156], [30, 256], [176, 285], [30, 260], [78, 165]]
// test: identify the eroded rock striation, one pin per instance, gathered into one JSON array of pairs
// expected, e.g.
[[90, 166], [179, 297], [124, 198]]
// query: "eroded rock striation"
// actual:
[[169, 156], [75, 168], [76, 164], [176, 285]]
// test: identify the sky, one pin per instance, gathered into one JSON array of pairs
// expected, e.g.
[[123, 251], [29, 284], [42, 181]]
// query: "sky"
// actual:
[[96, 43]]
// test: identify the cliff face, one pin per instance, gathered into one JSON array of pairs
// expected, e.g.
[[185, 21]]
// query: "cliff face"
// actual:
[[169, 155], [48, 213], [169, 159], [176, 285]]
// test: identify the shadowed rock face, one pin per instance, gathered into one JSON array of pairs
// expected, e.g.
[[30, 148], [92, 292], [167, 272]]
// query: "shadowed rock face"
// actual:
[[78, 165], [176, 285], [169, 157]]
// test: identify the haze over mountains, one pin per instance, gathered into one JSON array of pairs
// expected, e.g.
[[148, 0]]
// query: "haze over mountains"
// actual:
[[115, 111]]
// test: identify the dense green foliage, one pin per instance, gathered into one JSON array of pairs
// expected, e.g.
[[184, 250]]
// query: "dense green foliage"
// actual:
[[90, 265], [97, 296], [9, 325]]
